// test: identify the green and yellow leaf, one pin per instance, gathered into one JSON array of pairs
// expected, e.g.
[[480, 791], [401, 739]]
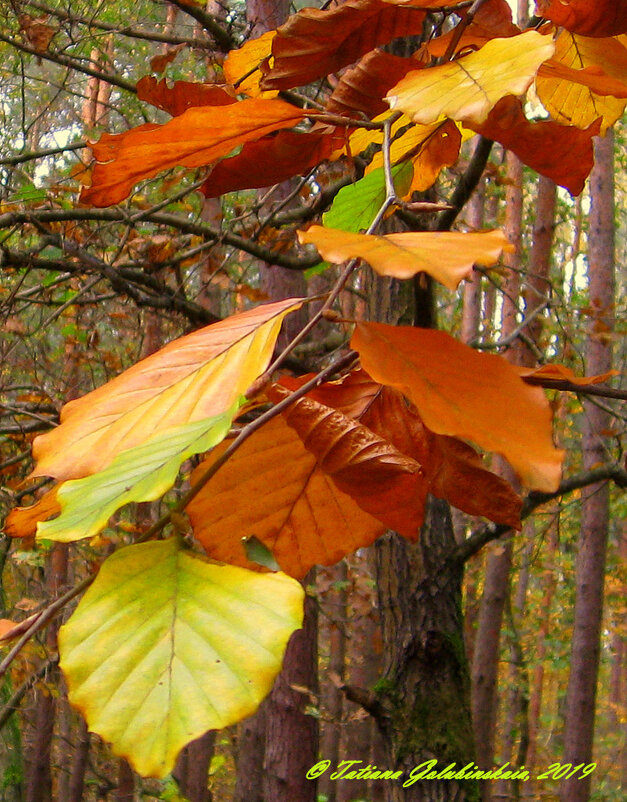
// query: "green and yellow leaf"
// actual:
[[165, 646]]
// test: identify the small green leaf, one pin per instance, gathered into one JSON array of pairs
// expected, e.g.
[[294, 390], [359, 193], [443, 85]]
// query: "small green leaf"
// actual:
[[356, 205], [166, 645], [143, 473], [257, 552]]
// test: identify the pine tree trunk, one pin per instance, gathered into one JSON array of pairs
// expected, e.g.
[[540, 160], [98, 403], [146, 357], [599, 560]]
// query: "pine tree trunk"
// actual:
[[590, 561]]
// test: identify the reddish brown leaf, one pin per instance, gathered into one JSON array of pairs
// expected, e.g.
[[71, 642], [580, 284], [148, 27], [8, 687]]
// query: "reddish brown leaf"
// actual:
[[159, 63], [461, 393], [269, 161], [494, 19], [562, 153], [452, 468], [362, 87], [182, 95], [289, 490], [314, 43], [36, 32], [200, 135], [586, 17]]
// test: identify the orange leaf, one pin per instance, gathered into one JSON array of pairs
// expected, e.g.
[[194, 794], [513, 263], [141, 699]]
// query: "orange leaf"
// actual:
[[183, 95], [465, 394], [160, 62], [447, 256], [314, 43], [494, 19], [268, 161], [22, 521], [288, 486], [452, 468], [593, 77], [575, 103], [466, 89], [586, 17], [197, 376], [560, 373], [562, 153], [242, 67], [200, 135]]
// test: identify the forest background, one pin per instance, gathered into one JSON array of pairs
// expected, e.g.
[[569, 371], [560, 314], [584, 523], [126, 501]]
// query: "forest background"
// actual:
[[92, 285]]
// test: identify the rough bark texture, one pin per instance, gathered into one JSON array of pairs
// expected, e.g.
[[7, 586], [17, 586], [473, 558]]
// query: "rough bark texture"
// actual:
[[590, 561], [424, 692], [292, 734], [192, 768], [251, 743]]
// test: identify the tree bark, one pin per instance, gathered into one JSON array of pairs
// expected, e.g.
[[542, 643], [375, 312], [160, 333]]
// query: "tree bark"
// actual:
[[590, 560]]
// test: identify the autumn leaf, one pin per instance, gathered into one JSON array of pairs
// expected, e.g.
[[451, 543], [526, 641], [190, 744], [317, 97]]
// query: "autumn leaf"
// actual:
[[361, 88], [269, 161], [165, 646], [446, 256], [546, 374], [344, 487], [314, 43], [199, 136], [562, 153], [182, 95], [493, 19], [36, 32], [466, 89], [465, 394], [453, 469], [586, 17], [143, 473], [242, 67], [197, 376], [575, 103], [22, 521]]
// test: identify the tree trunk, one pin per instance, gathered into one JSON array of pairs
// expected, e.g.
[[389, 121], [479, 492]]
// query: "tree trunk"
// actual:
[[192, 768], [422, 701], [590, 561]]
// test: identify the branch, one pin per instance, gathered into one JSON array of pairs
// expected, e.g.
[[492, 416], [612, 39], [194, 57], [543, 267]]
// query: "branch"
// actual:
[[13, 703], [29, 155], [562, 384], [467, 184], [479, 538], [133, 33], [71, 63], [222, 37]]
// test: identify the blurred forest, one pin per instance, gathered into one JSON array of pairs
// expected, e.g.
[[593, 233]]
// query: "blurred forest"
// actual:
[[86, 292]]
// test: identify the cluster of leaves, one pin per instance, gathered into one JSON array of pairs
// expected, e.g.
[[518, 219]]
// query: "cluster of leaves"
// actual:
[[168, 643]]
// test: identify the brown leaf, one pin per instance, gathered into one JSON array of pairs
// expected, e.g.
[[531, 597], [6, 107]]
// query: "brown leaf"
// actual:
[[586, 17], [314, 43], [182, 95], [268, 161], [199, 136], [452, 468], [361, 88], [563, 153], [494, 19], [160, 62], [465, 394], [36, 32]]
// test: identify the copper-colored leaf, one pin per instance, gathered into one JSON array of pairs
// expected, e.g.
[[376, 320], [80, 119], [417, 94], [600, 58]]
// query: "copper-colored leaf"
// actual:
[[200, 135], [586, 17], [362, 87], [268, 161], [492, 20], [36, 32], [562, 153], [593, 77], [22, 521], [289, 484], [468, 88], [575, 103], [546, 374], [197, 376], [182, 95], [314, 43], [160, 62], [447, 256], [465, 394], [452, 468]]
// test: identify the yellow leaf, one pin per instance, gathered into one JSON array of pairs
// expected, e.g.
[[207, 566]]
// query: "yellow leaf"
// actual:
[[575, 103], [447, 256], [241, 66], [194, 377], [468, 88]]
